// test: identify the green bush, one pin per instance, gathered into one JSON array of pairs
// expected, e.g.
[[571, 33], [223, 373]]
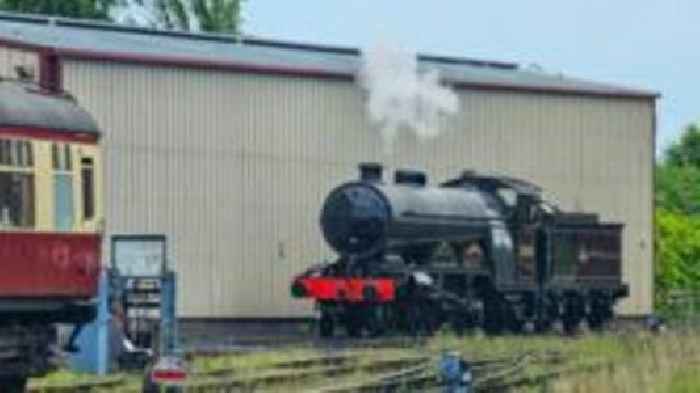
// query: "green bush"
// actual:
[[677, 260]]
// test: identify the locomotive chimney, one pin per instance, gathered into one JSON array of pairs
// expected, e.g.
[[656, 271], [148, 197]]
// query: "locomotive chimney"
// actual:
[[410, 177], [371, 172]]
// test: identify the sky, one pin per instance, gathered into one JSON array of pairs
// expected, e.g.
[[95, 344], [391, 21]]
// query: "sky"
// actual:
[[649, 44]]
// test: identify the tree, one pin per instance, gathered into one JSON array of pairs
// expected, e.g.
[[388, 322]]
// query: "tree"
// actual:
[[678, 189], [678, 176], [92, 9], [677, 259], [677, 231], [188, 15], [687, 150], [218, 15], [192, 15]]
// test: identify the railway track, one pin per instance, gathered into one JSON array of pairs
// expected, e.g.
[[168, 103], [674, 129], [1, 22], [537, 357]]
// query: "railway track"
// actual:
[[262, 344], [350, 372], [107, 384], [495, 375], [300, 370]]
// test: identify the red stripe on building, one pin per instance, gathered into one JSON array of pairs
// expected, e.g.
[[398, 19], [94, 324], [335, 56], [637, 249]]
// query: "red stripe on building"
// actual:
[[223, 65], [49, 134]]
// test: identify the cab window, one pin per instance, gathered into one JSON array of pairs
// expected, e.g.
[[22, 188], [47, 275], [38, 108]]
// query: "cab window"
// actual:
[[508, 196], [16, 184]]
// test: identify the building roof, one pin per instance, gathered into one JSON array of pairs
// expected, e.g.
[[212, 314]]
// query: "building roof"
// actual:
[[103, 41], [24, 105]]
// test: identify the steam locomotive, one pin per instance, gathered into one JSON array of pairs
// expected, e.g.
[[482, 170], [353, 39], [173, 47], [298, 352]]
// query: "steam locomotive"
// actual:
[[477, 251], [50, 225]]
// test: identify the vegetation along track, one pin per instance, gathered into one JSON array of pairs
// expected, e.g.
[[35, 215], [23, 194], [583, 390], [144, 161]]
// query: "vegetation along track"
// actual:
[[499, 364], [338, 373]]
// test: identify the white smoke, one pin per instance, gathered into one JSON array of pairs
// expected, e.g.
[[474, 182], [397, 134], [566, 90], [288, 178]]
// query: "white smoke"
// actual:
[[401, 97]]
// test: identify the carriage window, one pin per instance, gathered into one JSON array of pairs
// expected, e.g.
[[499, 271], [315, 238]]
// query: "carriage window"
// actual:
[[61, 157], [55, 156], [67, 159], [88, 180], [64, 212], [16, 184], [16, 153], [63, 202], [5, 152], [16, 200], [30, 154]]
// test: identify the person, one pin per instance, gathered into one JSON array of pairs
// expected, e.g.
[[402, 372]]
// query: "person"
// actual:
[[456, 373], [71, 346], [473, 255], [655, 324], [124, 354]]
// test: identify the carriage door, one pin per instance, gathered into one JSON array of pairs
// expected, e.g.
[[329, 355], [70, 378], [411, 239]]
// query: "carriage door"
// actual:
[[89, 210]]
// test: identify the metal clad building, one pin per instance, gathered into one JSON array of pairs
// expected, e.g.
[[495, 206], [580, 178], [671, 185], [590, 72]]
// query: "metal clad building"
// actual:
[[230, 147]]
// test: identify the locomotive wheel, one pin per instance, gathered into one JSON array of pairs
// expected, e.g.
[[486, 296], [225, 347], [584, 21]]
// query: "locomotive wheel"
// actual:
[[543, 325], [326, 325], [600, 314], [573, 314], [595, 322], [570, 325], [353, 328], [424, 322], [14, 384], [375, 321], [353, 321], [493, 315], [461, 322], [515, 325], [402, 319]]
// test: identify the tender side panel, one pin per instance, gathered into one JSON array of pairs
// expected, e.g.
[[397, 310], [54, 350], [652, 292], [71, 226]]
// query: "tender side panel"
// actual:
[[49, 265], [590, 256]]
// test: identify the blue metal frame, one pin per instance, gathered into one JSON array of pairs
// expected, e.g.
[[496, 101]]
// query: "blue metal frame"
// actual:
[[94, 340], [169, 338]]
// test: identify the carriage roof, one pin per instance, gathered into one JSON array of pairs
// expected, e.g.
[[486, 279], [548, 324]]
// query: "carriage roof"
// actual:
[[25, 105]]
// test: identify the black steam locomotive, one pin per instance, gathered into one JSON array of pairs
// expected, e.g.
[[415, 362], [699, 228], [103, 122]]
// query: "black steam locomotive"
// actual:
[[476, 251]]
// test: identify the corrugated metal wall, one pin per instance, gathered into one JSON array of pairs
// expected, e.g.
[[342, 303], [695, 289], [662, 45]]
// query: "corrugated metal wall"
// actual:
[[234, 168], [10, 58]]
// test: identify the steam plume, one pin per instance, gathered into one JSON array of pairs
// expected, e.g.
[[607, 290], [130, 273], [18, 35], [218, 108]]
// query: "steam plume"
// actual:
[[402, 97]]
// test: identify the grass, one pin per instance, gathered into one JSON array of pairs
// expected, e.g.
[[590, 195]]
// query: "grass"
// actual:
[[624, 363], [61, 380], [649, 364]]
